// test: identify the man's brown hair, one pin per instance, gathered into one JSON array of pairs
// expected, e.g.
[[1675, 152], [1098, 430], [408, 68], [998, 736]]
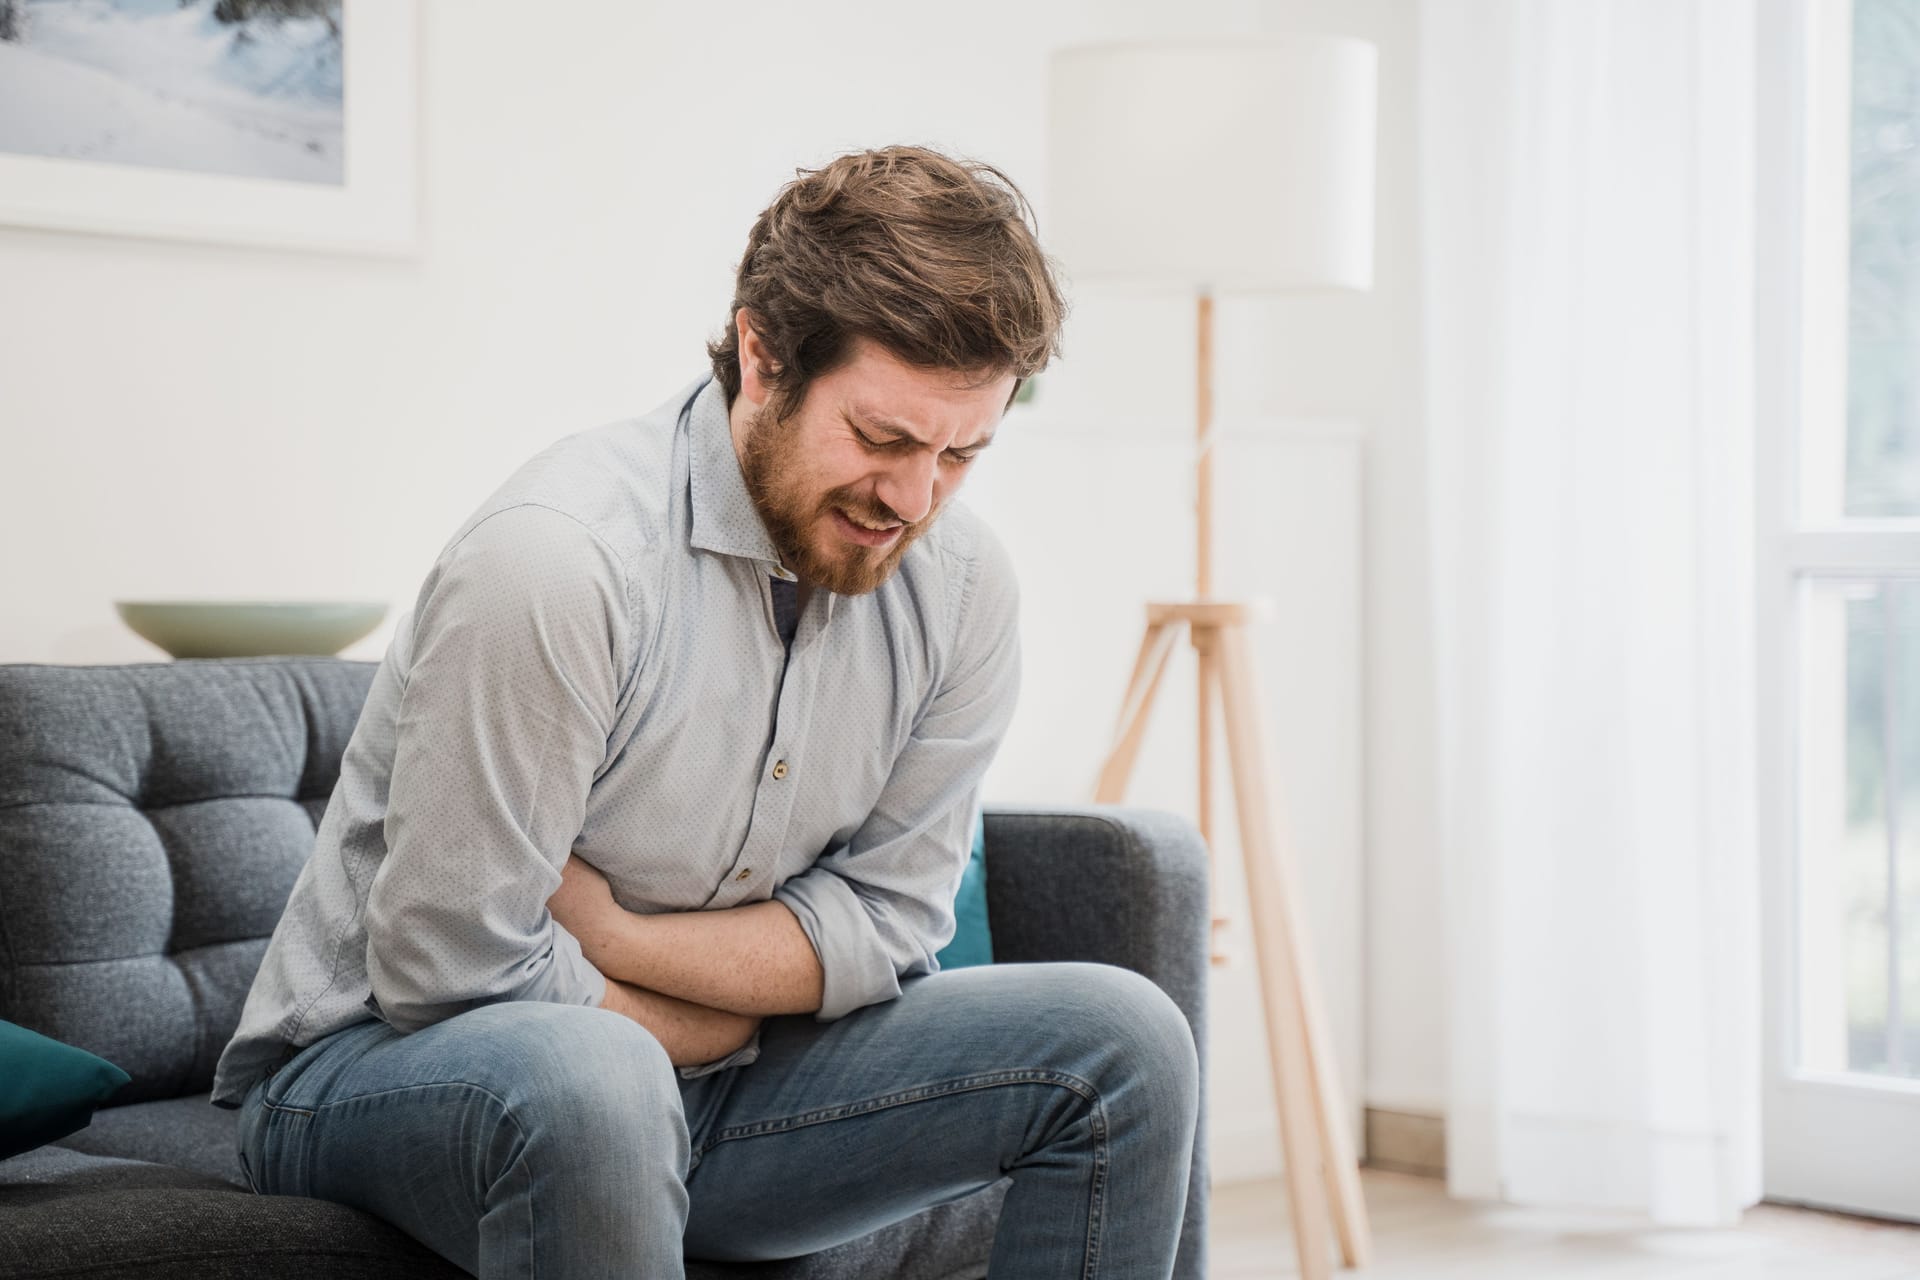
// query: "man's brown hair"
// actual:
[[935, 259]]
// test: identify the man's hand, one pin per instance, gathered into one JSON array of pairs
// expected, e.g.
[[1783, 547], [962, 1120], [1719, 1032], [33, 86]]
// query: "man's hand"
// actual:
[[753, 960], [584, 906], [690, 1033]]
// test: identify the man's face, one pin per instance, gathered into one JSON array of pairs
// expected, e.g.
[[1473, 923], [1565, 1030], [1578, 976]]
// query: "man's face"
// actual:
[[866, 463]]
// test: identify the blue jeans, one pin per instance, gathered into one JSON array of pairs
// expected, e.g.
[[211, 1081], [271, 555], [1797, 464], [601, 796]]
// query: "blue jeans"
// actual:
[[529, 1139]]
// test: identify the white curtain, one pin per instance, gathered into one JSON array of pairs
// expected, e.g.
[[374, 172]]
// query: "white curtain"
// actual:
[[1587, 193]]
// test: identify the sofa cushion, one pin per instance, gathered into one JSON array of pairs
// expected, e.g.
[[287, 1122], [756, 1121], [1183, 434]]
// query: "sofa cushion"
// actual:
[[187, 1133], [153, 819], [972, 941], [196, 1138], [65, 1213]]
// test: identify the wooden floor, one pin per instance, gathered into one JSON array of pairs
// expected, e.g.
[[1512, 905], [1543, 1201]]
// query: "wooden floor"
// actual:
[[1419, 1232]]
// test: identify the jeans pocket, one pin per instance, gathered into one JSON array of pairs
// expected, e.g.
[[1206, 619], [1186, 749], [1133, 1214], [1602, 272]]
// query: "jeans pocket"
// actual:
[[284, 1151], [246, 1133], [271, 1143]]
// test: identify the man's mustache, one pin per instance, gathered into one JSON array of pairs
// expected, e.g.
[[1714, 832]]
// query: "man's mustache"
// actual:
[[875, 513]]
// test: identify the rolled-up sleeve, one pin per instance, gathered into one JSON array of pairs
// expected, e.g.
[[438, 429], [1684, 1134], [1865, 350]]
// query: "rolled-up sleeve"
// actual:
[[880, 907], [519, 643]]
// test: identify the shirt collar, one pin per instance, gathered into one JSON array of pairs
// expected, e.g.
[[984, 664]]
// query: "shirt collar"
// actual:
[[724, 517]]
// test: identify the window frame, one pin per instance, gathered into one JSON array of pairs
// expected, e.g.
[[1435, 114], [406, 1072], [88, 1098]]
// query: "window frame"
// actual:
[[1834, 1139]]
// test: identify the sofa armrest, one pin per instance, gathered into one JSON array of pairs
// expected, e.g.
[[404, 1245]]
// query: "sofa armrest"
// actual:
[[1117, 886], [1100, 883]]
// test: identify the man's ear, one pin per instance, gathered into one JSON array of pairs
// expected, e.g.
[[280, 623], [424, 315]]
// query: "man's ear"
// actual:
[[755, 364]]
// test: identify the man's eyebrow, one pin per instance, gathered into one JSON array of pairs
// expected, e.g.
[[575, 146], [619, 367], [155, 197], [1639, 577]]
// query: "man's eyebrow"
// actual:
[[880, 422]]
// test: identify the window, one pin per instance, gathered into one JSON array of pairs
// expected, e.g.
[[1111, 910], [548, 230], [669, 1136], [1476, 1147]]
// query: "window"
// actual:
[[1857, 570]]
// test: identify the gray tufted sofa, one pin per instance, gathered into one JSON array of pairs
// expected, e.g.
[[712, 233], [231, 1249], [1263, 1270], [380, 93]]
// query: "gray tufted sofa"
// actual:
[[152, 820]]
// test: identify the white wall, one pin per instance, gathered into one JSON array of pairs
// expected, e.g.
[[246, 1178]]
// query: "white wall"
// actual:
[[184, 420], [1358, 359]]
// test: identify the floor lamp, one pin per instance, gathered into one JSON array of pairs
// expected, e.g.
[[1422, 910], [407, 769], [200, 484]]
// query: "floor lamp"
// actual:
[[1244, 167]]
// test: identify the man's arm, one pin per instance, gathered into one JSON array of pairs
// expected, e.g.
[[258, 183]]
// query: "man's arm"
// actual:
[[753, 960], [516, 651], [692, 1034]]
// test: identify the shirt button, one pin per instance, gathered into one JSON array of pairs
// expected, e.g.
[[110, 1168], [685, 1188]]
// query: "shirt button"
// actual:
[[779, 770], [746, 874]]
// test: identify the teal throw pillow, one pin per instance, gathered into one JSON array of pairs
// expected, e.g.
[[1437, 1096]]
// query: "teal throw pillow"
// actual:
[[972, 941], [48, 1089]]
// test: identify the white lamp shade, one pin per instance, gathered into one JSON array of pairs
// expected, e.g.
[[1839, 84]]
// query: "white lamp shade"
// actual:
[[1244, 166]]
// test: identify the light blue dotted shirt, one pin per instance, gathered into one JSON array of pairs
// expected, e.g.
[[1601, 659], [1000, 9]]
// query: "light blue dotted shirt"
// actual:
[[593, 665]]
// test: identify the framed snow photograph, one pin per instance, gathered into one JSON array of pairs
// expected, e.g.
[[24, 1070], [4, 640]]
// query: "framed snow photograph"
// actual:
[[287, 123]]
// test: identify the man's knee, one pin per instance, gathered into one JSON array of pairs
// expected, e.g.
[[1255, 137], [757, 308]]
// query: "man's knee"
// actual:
[[583, 1079], [538, 1035], [1151, 1041]]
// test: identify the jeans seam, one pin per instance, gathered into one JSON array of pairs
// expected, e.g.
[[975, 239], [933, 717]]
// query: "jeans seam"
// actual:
[[246, 1168], [1096, 1197], [505, 1106], [520, 1164], [902, 1097]]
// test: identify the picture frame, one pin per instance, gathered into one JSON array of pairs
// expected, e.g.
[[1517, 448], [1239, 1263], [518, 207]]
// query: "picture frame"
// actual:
[[375, 210]]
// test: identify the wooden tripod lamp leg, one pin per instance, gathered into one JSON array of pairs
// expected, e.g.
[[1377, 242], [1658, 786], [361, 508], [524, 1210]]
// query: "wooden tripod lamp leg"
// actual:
[[1296, 1026], [1203, 655], [1209, 664], [1323, 1176], [1280, 988], [1156, 647]]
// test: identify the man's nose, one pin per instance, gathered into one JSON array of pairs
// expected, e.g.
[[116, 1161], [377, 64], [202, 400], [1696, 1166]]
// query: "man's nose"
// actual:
[[907, 487]]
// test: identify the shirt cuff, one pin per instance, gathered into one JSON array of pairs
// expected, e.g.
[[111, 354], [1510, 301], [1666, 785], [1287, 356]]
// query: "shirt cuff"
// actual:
[[855, 968]]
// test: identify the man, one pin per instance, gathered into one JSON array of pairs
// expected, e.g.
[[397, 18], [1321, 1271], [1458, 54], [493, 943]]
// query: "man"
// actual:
[[680, 744]]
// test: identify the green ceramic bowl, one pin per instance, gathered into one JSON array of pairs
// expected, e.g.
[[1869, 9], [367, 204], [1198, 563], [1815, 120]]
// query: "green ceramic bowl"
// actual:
[[250, 629]]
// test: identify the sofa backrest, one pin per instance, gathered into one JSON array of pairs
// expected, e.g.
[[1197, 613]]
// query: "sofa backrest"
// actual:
[[153, 818]]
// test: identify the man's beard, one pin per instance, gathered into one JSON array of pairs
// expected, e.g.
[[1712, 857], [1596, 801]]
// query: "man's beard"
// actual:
[[768, 464]]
